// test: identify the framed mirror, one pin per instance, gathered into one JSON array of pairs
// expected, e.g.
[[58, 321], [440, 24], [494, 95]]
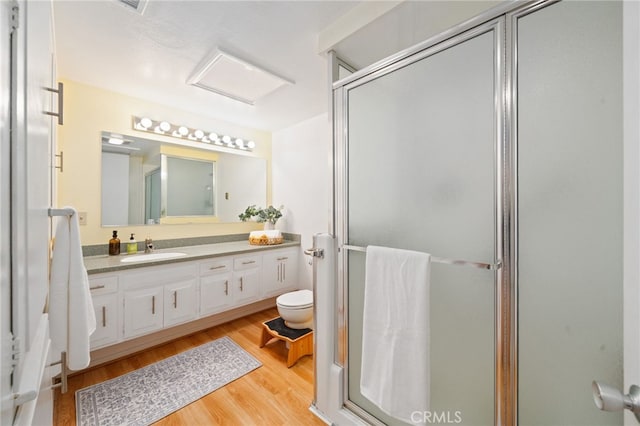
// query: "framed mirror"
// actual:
[[150, 182]]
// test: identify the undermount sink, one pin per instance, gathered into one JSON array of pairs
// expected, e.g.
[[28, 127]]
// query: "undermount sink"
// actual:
[[150, 256]]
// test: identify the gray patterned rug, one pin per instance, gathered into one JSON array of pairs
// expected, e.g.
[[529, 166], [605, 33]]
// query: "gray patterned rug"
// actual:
[[157, 390]]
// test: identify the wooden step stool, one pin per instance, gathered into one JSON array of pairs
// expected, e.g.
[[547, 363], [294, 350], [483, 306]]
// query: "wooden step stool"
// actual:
[[300, 341]]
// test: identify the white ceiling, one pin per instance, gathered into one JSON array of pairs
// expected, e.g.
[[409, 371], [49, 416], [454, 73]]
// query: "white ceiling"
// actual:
[[102, 43], [151, 56]]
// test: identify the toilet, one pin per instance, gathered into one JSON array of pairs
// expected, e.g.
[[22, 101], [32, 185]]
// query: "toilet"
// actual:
[[296, 308]]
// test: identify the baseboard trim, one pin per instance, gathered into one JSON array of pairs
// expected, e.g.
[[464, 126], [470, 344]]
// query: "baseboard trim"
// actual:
[[129, 347]]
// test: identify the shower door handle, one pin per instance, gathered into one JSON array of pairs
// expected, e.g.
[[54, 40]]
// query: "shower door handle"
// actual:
[[608, 398], [314, 252]]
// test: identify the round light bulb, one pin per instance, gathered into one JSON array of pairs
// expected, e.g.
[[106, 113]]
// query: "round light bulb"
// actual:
[[146, 122], [164, 126], [226, 139], [183, 131], [251, 144], [213, 136], [198, 134], [239, 142]]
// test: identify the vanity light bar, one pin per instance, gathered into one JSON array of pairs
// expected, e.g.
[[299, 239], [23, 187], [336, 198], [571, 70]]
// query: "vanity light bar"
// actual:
[[145, 124]]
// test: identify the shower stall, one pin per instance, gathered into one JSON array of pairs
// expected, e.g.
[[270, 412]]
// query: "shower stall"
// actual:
[[498, 144]]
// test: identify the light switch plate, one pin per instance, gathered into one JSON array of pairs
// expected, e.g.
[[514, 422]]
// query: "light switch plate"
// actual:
[[82, 218]]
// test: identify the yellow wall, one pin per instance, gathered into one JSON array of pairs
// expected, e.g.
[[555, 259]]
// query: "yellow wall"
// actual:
[[89, 111]]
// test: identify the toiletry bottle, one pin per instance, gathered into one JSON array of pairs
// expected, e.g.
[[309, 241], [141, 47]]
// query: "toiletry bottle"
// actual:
[[132, 245], [114, 244]]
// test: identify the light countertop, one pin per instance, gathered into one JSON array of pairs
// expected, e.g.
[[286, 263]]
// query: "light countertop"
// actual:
[[106, 263]]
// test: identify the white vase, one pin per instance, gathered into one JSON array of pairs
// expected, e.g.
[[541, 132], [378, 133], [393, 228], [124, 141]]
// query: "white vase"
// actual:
[[268, 226]]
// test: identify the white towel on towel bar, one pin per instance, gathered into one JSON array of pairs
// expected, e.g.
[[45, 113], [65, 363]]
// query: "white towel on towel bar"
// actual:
[[395, 371], [71, 314]]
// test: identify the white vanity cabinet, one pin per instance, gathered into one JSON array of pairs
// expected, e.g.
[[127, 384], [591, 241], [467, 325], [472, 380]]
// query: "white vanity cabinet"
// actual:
[[228, 282], [104, 292], [280, 272], [137, 306], [159, 297], [216, 279]]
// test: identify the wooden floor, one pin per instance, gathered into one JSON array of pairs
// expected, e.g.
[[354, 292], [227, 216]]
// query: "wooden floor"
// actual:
[[270, 395]]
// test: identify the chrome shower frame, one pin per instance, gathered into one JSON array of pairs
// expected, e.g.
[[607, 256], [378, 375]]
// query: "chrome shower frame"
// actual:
[[502, 20]]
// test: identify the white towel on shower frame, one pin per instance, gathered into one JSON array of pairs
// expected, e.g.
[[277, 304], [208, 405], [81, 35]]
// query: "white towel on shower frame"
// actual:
[[395, 371]]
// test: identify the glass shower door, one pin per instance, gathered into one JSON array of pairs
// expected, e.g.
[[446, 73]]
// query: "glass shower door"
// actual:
[[570, 210], [422, 147]]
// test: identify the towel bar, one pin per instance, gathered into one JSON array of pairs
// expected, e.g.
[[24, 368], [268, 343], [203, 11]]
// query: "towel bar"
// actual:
[[60, 212], [63, 385], [479, 265]]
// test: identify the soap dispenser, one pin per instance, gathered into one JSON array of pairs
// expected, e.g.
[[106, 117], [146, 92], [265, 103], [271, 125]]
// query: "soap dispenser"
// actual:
[[114, 244], [132, 245]]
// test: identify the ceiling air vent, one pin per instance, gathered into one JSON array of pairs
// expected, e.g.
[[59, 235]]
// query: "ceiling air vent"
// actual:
[[137, 5], [235, 78]]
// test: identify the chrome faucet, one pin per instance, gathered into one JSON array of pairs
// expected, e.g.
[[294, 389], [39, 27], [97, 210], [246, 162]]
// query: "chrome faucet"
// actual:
[[148, 245]]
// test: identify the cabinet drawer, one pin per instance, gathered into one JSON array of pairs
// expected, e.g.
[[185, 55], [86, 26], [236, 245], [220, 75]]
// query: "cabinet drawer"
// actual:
[[215, 266], [248, 262], [103, 285]]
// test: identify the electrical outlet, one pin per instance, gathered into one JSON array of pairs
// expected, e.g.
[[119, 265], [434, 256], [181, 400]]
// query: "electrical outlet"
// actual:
[[82, 218]]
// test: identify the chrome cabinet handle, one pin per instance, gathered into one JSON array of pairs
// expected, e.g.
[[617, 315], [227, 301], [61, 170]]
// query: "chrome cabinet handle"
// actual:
[[284, 272], [279, 272], [226, 288], [153, 305], [249, 262], [104, 316], [60, 92], [241, 284], [61, 157], [283, 258], [175, 299], [217, 267], [98, 287]]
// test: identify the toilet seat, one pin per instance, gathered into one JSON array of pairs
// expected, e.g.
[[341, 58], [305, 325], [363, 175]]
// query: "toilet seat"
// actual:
[[300, 299]]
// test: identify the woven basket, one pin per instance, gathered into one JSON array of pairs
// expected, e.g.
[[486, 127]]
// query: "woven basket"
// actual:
[[265, 241]]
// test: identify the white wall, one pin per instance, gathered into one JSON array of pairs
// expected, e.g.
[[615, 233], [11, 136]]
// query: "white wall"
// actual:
[[301, 182]]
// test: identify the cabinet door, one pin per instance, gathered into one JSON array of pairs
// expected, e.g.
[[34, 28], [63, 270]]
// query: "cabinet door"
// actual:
[[180, 302], [142, 311], [289, 270], [280, 272], [106, 309], [215, 293], [246, 286]]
